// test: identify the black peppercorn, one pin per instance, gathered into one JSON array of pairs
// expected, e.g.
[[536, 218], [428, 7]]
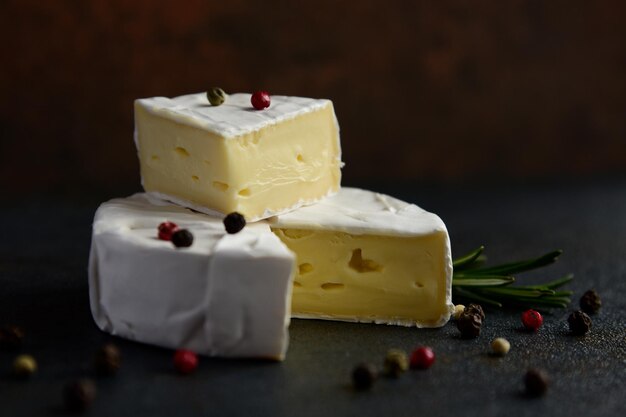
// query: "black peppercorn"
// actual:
[[590, 302], [579, 323], [182, 238], [363, 376], [536, 382], [107, 359], [475, 309], [11, 337], [469, 325], [234, 222], [78, 395]]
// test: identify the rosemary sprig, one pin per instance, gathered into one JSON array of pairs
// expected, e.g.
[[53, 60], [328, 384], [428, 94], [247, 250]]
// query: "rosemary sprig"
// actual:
[[492, 285]]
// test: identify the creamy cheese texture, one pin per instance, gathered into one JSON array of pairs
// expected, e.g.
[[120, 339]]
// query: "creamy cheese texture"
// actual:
[[226, 295], [368, 257], [220, 159]]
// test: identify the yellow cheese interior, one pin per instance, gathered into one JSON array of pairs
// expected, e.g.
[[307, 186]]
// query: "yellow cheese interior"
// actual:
[[400, 280], [273, 168]]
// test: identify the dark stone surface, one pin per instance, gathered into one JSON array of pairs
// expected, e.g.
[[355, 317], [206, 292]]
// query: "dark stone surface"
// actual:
[[43, 288]]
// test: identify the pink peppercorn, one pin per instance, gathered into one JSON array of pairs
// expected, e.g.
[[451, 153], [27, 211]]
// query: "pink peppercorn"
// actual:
[[166, 230], [532, 320], [185, 361], [260, 100], [422, 358]]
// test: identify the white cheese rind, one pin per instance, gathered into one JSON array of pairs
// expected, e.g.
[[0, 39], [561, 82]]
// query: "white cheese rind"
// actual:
[[226, 295], [235, 117], [358, 211]]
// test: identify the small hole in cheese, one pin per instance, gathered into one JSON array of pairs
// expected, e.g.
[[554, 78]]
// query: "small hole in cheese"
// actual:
[[304, 268], [181, 151], [363, 265], [155, 157], [418, 284], [296, 284], [244, 193], [195, 178], [332, 286], [222, 186]]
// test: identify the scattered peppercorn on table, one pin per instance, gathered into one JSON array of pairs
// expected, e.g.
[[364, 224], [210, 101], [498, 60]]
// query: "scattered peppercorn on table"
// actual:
[[44, 291]]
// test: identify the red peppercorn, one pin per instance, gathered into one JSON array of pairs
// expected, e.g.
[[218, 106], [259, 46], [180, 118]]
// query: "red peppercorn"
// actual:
[[185, 361], [166, 229], [260, 100], [532, 320], [422, 358]]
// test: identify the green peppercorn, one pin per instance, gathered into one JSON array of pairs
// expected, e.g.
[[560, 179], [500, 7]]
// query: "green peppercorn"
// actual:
[[536, 382], [590, 302], [396, 363], [363, 376], [579, 323], [107, 359], [500, 346], [458, 310], [216, 96], [78, 395], [24, 366]]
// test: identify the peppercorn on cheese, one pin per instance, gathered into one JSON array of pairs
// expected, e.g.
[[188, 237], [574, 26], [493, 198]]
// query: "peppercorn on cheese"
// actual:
[[225, 295], [234, 158], [367, 257]]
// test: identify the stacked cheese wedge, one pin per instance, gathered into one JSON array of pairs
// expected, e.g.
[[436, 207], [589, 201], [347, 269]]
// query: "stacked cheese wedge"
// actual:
[[311, 249]]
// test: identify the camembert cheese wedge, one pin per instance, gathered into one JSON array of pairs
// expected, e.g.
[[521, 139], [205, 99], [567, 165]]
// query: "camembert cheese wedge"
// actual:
[[234, 158], [226, 295], [368, 257]]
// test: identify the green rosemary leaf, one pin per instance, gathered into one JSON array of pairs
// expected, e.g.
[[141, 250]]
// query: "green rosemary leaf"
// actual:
[[552, 284], [463, 276], [520, 299], [485, 281], [516, 267], [563, 293], [468, 259], [560, 282], [492, 285], [519, 292], [529, 299]]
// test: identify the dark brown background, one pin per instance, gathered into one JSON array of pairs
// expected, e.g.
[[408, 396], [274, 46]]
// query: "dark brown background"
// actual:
[[424, 91]]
